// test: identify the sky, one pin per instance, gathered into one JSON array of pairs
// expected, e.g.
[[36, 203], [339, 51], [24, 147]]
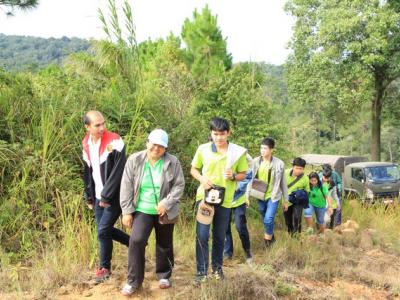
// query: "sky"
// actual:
[[256, 30]]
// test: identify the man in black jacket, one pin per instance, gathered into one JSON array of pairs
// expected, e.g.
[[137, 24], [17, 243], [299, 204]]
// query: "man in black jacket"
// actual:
[[104, 157]]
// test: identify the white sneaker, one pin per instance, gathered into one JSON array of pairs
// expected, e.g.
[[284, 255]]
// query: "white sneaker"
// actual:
[[164, 284], [249, 260]]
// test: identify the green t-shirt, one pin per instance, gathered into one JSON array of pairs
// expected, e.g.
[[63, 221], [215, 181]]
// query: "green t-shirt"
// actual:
[[212, 165], [147, 198], [262, 175], [316, 198], [302, 184]]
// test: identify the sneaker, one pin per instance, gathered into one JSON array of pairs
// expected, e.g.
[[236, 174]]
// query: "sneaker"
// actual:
[[102, 274], [249, 257], [164, 284], [199, 279], [129, 290], [218, 274]]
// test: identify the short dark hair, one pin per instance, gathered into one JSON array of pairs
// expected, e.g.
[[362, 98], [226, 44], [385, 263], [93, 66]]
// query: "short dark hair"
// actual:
[[327, 173], [268, 141], [327, 167], [219, 124], [86, 119], [298, 161]]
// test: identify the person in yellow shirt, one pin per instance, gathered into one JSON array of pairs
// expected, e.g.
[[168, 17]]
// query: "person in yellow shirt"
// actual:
[[270, 170], [223, 164]]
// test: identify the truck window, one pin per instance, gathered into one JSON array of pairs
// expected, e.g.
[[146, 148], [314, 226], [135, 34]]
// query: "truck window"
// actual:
[[357, 174], [382, 173]]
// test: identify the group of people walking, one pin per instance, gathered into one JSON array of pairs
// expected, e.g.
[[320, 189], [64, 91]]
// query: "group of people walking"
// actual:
[[147, 187]]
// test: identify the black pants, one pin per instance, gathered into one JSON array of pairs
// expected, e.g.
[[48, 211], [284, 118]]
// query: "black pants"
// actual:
[[142, 226], [333, 218], [293, 218]]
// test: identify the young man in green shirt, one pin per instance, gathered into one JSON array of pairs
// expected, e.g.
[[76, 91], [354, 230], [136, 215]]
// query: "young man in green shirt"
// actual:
[[217, 163], [270, 170], [296, 182]]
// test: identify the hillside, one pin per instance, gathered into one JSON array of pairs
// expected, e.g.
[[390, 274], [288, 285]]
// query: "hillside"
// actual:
[[25, 52]]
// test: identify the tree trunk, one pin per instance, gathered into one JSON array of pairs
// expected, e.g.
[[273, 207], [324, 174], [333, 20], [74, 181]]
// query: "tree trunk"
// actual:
[[376, 110]]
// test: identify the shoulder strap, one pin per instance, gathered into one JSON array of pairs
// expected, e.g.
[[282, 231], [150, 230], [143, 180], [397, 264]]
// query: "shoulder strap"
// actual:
[[269, 176], [259, 164], [322, 192], [269, 170], [295, 181], [152, 183]]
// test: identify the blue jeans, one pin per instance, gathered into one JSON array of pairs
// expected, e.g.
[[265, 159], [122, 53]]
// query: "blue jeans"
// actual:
[[220, 225], [106, 233], [319, 213], [239, 216], [268, 210]]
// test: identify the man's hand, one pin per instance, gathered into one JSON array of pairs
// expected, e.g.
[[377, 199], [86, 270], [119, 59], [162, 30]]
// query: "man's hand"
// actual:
[[285, 206], [104, 204], [127, 220], [206, 183], [228, 174], [161, 209], [90, 205]]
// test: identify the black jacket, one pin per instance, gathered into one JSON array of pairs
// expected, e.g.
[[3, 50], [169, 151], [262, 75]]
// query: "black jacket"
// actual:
[[112, 163]]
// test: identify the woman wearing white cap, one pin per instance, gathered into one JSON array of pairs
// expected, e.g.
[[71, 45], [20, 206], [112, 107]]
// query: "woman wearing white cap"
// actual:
[[151, 188]]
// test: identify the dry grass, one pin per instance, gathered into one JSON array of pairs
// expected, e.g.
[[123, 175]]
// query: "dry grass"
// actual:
[[366, 258]]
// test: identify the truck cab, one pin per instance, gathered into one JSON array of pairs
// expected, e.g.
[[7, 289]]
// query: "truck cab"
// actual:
[[372, 181]]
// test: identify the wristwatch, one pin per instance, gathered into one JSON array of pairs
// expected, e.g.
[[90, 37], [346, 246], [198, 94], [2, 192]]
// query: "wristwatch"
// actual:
[[234, 176]]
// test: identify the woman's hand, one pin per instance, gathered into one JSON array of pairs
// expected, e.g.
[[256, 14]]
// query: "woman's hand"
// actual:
[[127, 220], [161, 209]]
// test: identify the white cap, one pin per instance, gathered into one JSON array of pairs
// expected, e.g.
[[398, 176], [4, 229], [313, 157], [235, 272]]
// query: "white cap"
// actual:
[[159, 137]]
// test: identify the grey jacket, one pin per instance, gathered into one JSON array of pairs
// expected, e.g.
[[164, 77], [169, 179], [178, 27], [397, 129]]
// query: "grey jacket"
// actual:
[[278, 181], [172, 183]]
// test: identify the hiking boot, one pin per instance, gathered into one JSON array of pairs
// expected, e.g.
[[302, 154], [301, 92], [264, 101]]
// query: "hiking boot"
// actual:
[[164, 284], [218, 274], [102, 274], [199, 279]]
